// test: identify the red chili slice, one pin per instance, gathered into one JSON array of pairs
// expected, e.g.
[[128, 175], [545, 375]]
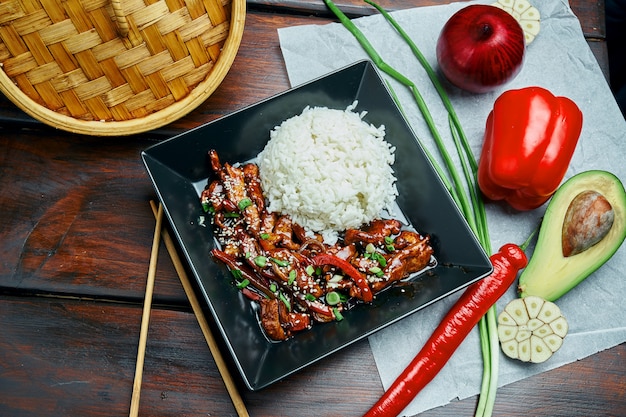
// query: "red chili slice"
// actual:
[[348, 269]]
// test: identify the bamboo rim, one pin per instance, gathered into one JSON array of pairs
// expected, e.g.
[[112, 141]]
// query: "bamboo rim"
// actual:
[[152, 121]]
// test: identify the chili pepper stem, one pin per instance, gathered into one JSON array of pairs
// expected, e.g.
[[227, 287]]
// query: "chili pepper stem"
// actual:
[[529, 239]]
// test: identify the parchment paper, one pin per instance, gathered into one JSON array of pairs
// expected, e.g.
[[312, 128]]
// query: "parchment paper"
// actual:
[[559, 59]]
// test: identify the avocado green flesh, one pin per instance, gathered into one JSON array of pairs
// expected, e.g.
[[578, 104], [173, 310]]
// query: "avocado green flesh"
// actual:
[[549, 274]]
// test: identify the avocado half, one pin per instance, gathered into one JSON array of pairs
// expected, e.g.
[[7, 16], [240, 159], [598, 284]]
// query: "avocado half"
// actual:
[[549, 273]]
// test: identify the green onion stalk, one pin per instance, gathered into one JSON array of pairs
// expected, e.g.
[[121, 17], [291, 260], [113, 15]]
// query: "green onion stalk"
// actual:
[[456, 187], [470, 203]]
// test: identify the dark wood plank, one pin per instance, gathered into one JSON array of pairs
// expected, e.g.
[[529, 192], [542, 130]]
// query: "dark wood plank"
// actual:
[[593, 25], [76, 218], [591, 16], [77, 358], [593, 386], [70, 358]]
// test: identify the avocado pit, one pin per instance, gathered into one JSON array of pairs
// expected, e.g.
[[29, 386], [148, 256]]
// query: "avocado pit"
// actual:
[[588, 220], [583, 226]]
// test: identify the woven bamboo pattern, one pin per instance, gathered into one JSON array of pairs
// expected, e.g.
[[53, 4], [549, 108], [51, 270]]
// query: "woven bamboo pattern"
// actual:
[[115, 67]]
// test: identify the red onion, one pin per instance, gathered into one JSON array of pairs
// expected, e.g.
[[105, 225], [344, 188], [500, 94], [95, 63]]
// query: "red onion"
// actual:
[[480, 48]]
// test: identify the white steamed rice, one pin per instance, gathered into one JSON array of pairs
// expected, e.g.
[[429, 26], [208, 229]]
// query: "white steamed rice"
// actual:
[[329, 170]]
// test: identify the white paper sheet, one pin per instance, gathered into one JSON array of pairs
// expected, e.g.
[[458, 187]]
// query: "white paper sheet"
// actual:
[[560, 60]]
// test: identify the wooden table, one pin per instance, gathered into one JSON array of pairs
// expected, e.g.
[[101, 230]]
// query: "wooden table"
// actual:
[[75, 240]]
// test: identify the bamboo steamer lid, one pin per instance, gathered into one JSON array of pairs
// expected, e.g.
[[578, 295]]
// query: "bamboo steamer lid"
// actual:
[[115, 67]]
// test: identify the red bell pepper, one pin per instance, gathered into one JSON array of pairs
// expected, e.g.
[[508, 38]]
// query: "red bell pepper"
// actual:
[[529, 141]]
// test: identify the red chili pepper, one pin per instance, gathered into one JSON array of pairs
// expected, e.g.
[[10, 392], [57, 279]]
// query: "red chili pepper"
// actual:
[[453, 329], [529, 141], [346, 267]]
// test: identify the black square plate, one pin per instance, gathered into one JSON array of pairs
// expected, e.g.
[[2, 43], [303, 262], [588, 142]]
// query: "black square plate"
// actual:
[[178, 169]]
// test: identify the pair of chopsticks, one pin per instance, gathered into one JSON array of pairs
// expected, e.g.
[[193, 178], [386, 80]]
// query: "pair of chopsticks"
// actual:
[[161, 232]]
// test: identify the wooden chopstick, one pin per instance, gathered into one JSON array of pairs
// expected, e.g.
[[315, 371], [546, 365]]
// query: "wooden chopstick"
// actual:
[[145, 318], [240, 407]]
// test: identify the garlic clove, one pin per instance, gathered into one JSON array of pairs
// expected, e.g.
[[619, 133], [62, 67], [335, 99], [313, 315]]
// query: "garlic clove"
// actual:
[[531, 329]]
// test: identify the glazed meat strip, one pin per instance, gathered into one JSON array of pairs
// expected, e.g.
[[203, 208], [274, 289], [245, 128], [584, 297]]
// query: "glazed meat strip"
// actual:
[[275, 261], [375, 232], [293, 273], [253, 185], [413, 254], [278, 322], [236, 192]]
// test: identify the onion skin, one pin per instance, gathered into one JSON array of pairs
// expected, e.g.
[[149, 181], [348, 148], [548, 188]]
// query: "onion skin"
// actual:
[[480, 48]]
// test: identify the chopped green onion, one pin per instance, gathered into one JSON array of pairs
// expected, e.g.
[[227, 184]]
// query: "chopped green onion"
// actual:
[[370, 248], [237, 273], [206, 207], [264, 236], [337, 313], [243, 284], [244, 203], [273, 287], [336, 278], [292, 276], [389, 240], [279, 262], [231, 214], [390, 248], [310, 297], [376, 271], [380, 259], [284, 299], [260, 261], [333, 298], [310, 269]]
